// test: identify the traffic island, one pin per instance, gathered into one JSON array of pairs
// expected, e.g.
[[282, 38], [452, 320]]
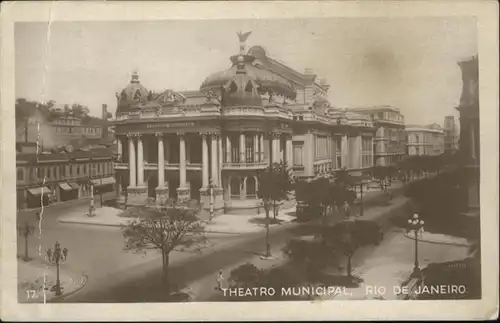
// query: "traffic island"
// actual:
[[37, 281], [105, 216]]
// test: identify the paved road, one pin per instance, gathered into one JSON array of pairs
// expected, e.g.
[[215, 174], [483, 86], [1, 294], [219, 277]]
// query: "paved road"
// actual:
[[116, 276], [142, 283]]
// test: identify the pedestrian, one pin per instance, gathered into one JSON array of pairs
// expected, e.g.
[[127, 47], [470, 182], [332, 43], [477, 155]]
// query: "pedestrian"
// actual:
[[345, 207], [49, 255], [220, 278]]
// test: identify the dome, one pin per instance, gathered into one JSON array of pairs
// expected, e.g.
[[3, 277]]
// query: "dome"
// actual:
[[241, 91], [133, 93], [265, 80]]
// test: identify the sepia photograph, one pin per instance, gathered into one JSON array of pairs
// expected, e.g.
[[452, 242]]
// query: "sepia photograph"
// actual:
[[229, 160]]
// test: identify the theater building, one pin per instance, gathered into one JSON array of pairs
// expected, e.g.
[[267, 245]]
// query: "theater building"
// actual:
[[259, 111]]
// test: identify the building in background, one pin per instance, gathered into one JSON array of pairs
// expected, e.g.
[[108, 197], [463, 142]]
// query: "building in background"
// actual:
[[389, 142], [451, 134], [259, 111], [469, 148], [424, 140], [63, 176], [65, 129]]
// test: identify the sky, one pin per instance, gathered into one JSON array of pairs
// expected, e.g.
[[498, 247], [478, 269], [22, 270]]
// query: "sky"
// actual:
[[409, 63]]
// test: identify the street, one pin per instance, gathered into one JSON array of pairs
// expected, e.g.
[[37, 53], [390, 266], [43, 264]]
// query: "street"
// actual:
[[114, 275]]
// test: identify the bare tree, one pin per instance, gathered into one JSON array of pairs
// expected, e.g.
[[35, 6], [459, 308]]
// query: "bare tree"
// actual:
[[25, 231], [163, 230]]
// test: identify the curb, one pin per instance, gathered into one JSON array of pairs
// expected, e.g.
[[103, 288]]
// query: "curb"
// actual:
[[60, 297], [96, 224], [437, 242]]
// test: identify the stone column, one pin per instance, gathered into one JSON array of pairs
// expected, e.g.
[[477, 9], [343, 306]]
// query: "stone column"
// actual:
[[275, 147], [214, 165], [228, 148], [204, 150], [289, 151], [358, 151], [131, 162], [371, 152], [344, 150], [161, 161], [219, 164], [119, 146], [261, 143], [140, 162], [182, 161], [183, 193], [162, 189], [242, 148], [256, 148]]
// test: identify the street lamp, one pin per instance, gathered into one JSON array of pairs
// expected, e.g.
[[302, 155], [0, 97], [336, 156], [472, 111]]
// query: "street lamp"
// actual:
[[91, 207], [415, 225], [58, 255], [211, 187]]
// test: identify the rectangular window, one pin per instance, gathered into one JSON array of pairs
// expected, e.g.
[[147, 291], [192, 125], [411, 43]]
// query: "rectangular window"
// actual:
[[49, 172], [297, 155]]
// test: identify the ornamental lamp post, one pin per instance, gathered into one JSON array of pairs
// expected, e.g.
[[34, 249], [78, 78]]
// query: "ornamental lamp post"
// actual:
[[58, 255], [415, 225], [211, 186], [91, 207]]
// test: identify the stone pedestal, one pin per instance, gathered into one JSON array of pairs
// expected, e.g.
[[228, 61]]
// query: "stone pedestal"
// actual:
[[137, 195], [161, 195], [183, 194], [218, 200]]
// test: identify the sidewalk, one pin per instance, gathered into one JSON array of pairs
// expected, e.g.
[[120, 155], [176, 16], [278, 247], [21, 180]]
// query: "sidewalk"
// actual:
[[36, 279], [439, 238], [234, 224], [105, 216], [226, 223]]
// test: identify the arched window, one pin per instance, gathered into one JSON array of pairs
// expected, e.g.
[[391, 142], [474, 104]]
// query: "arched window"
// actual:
[[249, 87], [137, 95], [233, 87], [235, 186], [251, 191]]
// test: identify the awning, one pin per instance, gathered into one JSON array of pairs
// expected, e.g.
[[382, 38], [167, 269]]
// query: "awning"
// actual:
[[39, 190], [74, 185], [65, 186], [103, 181]]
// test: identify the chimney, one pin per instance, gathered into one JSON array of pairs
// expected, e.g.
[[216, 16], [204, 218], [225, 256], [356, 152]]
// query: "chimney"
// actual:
[[104, 129], [26, 130]]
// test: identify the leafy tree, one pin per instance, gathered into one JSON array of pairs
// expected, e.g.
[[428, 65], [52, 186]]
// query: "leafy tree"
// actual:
[[246, 276], [164, 230], [343, 239], [25, 231], [275, 183]]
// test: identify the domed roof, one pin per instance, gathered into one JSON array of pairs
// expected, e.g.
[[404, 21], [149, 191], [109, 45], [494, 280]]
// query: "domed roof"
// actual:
[[135, 91], [265, 80], [241, 90]]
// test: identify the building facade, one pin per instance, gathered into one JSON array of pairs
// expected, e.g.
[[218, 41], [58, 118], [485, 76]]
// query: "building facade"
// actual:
[[451, 134], [259, 111], [424, 140], [469, 135], [389, 142], [47, 177]]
